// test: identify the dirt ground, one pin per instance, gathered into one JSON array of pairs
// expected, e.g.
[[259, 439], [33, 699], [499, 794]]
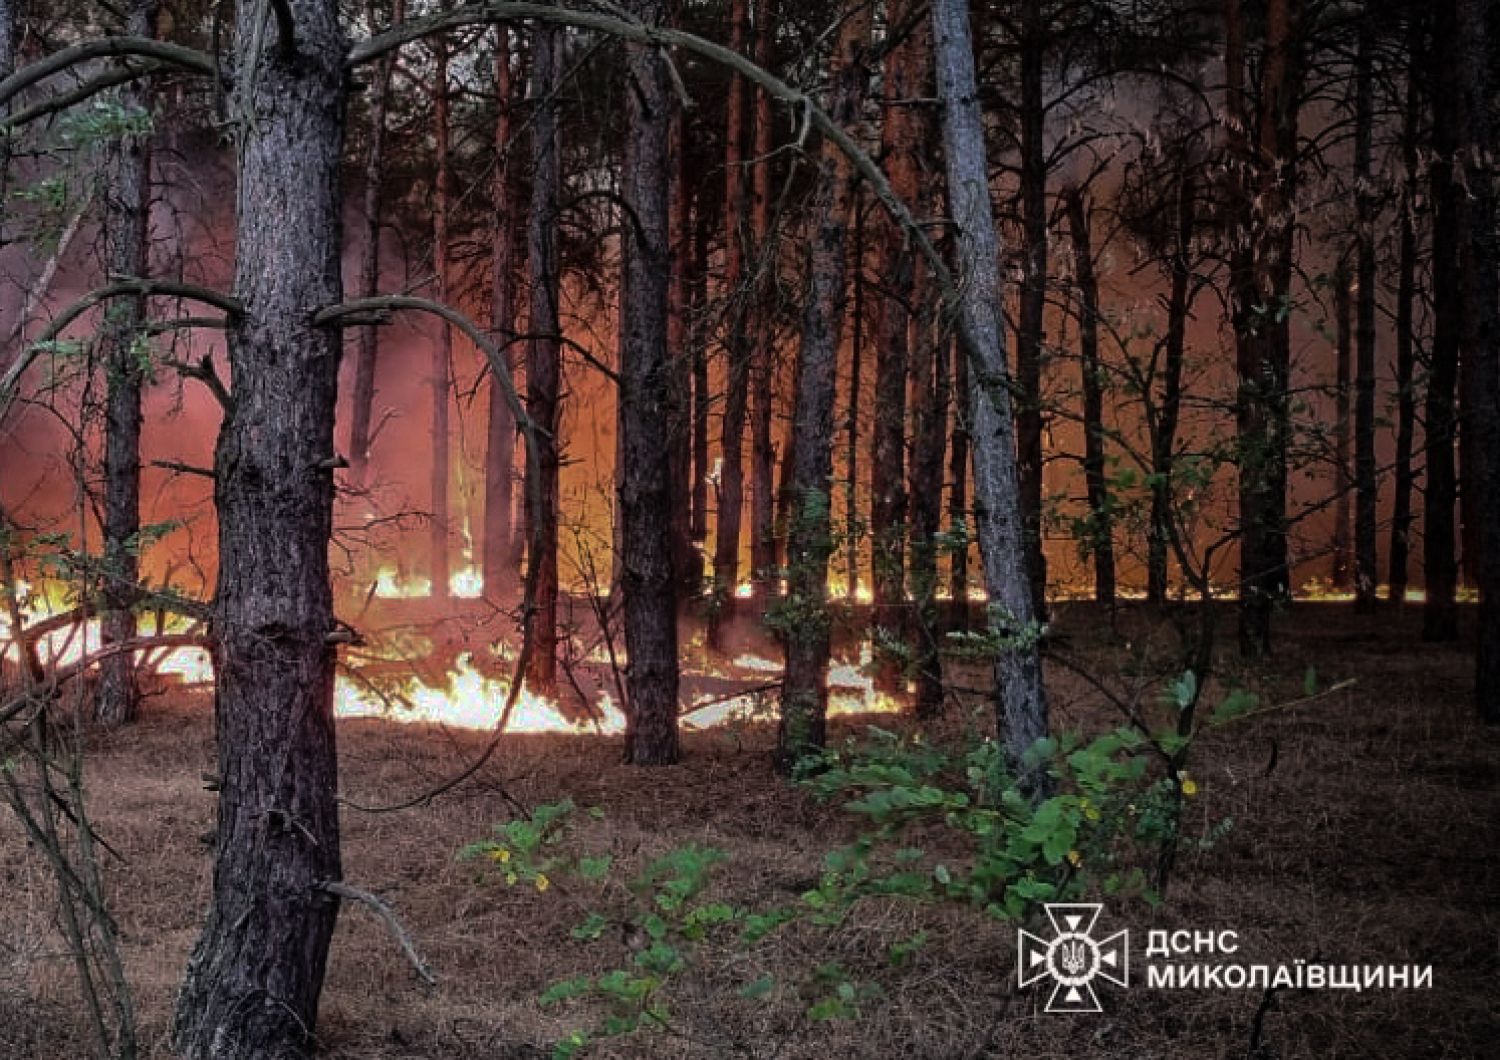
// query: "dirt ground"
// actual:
[[1366, 826]]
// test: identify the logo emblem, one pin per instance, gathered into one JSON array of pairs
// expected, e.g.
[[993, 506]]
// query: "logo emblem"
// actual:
[[1072, 958]]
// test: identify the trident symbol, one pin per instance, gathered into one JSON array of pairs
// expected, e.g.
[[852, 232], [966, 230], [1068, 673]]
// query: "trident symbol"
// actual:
[[1073, 957]]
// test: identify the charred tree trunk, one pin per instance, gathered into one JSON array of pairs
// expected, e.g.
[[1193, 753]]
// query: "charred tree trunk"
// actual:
[[1440, 613], [544, 361], [701, 398], [1366, 573], [253, 981], [1406, 297], [646, 397], [1161, 531], [1033, 301], [1018, 698], [731, 499], [1101, 519], [1476, 63], [763, 552], [127, 209], [805, 620], [500, 426], [368, 355]]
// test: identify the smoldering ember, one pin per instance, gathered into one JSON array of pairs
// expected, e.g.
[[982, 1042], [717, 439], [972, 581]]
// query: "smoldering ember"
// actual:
[[902, 529]]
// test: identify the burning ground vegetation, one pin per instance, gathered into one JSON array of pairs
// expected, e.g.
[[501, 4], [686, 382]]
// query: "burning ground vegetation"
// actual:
[[1352, 826]]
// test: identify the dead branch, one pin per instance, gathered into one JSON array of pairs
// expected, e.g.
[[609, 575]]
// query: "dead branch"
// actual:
[[388, 917]]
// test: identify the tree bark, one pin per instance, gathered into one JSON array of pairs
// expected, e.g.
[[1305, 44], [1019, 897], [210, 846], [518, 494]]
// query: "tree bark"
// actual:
[[367, 356], [500, 425], [646, 398], [1018, 697], [1169, 406], [1440, 612], [544, 361], [763, 552], [1033, 298], [1476, 63], [1101, 520], [731, 490], [1339, 573], [685, 563], [805, 619], [851, 418], [1366, 572], [958, 504], [254, 978], [127, 212], [442, 349], [1406, 296], [701, 396]]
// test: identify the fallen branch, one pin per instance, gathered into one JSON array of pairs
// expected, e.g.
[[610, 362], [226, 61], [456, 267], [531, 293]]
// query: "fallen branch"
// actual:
[[385, 913]]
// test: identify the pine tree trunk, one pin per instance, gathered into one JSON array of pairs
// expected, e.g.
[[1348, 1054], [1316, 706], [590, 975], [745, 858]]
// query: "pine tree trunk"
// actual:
[[1101, 538], [685, 564], [544, 362], [806, 632], [442, 349], [1476, 63], [698, 289], [646, 397], [1366, 569], [1406, 296], [1169, 407], [958, 503], [1440, 570], [254, 978], [855, 395], [731, 490], [127, 212], [368, 353], [500, 425], [1339, 572], [763, 563], [1018, 697], [1033, 299]]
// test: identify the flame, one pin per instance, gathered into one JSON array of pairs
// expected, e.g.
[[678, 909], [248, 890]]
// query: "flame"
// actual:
[[390, 585], [466, 584], [469, 700]]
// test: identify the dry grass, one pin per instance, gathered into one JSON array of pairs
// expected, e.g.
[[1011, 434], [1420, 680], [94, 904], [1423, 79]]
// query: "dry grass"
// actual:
[[1371, 839]]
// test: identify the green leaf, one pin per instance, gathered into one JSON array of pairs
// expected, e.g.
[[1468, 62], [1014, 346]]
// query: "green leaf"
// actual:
[[757, 988], [592, 927]]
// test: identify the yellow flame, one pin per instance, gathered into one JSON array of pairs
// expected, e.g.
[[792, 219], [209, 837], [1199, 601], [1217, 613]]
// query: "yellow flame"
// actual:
[[389, 585], [466, 584]]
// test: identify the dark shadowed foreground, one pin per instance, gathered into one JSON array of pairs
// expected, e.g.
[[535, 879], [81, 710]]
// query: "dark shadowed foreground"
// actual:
[[1369, 840]]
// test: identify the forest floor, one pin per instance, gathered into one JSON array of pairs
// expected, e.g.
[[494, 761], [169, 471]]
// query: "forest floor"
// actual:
[[1366, 825]]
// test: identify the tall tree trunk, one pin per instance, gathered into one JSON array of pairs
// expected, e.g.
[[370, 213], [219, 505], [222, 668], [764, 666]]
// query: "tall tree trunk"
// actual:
[[698, 291], [1406, 297], [736, 344], [1440, 613], [902, 146], [1476, 64], [544, 361], [930, 396], [127, 211], [1366, 572], [763, 349], [685, 565], [958, 503], [646, 397], [500, 426], [1018, 698], [1101, 520], [1261, 272], [806, 632], [368, 354], [253, 980], [1339, 572], [1033, 307], [442, 349], [1161, 531], [851, 419]]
